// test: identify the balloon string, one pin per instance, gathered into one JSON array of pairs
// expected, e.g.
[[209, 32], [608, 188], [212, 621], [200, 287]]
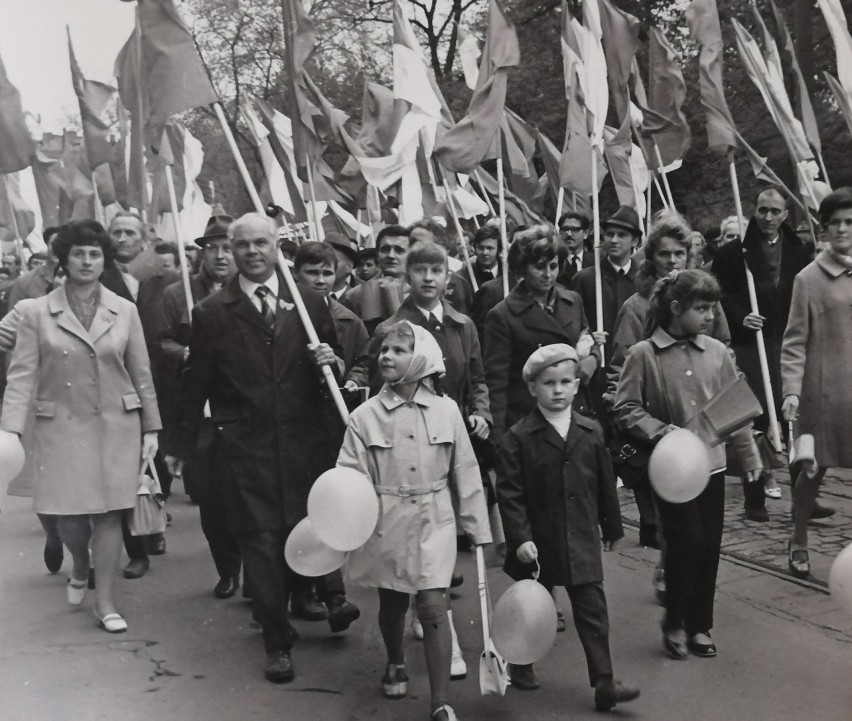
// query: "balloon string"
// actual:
[[537, 571]]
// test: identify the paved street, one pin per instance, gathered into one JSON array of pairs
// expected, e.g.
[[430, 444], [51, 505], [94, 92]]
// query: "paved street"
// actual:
[[785, 650]]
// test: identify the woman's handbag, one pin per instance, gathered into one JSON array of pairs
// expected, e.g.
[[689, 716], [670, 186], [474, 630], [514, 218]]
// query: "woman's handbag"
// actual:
[[149, 513], [630, 457]]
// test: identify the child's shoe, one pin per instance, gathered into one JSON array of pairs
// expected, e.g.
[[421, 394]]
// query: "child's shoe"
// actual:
[[416, 628], [523, 677], [610, 693], [444, 713], [395, 681]]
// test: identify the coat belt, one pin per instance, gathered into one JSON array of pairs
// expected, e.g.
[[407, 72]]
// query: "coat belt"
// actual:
[[406, 491]]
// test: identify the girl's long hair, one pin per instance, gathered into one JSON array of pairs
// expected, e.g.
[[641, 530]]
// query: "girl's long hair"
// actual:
[[666, 223], [684, 286]]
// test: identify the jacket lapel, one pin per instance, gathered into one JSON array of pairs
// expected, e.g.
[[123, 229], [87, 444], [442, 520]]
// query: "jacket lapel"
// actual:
[[58, 306], [574, 434], [105, 316], [546, 432]]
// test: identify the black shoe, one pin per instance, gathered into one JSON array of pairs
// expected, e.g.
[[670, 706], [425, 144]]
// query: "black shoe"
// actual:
[[758, 515], [279, 667], [649, 536], [155, 545], [342, 614], [137, 568], [54, 554], [798, 561], [226, 587], [703, 650], [523, 677], [307, 607], [608, 694], [675, 642], [819, 511], [560, 622], [457, 580]]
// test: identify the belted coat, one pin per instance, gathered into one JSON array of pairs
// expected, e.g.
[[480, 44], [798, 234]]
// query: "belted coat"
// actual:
[[92, 397]]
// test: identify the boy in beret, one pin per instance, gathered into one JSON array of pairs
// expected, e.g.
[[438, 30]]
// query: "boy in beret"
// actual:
[[556, 489]]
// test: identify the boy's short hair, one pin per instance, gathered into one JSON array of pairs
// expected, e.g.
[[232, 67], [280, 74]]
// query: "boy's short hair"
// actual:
[[546, 356], [366, 254], [315, 253], [426, 252]]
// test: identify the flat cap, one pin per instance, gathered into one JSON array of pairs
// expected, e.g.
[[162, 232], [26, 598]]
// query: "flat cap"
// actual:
[[546, 356]]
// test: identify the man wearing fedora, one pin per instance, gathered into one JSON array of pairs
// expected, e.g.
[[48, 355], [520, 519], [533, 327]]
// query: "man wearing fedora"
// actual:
[[201, 481], [347, 258]]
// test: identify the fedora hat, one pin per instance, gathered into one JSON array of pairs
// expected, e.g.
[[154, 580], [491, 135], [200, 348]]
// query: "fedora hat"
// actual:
[[217, 227], [627, 218], [340, 241]]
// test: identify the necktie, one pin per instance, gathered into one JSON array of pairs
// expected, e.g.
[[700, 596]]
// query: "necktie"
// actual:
[[575, 262], [266, 311], [432, 323]]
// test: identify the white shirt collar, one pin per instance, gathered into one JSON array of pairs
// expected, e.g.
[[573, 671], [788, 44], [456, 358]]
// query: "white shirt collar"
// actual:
[[773, 241], [625, 267], [249, 286], [437, 311]]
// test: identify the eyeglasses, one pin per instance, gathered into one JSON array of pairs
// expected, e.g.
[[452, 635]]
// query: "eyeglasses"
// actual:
[[572, 229]]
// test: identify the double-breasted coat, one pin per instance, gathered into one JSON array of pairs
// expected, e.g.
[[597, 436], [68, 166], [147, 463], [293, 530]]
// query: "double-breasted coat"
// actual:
[[92, 396], [557, 493], [422, 465], [815, 357], [276, 428], [515, 328]]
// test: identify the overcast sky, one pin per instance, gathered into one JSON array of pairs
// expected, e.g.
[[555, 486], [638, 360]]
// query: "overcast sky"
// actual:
[[34, 49]]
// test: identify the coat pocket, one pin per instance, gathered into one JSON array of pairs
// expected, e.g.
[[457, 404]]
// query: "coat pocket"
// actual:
[[45, 409], [131, 401]]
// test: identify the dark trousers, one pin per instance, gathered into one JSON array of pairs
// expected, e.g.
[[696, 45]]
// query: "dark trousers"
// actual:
[[134, 545], [222, 541], [327, 586], [267, 575], [693, 536], [591, 619]]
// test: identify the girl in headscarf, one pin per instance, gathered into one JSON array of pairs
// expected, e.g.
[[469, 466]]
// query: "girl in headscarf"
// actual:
[[411, 441]]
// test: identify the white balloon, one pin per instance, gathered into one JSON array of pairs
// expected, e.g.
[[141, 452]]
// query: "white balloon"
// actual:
[[840, 579], [343, 508], [679, 467], [307, 555], [523, 626], [12, 456]]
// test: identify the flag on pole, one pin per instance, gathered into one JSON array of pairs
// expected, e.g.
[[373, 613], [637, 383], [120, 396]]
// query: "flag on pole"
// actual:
[[132, 114], [463, 147], [94, 99], [620, 43], [16, 145], [836, 21], [15, 212], [702, 17], [761, 169], [49, 181], [806, 110]]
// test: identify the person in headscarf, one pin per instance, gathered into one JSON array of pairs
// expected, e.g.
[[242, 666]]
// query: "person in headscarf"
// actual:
[[411, 441]]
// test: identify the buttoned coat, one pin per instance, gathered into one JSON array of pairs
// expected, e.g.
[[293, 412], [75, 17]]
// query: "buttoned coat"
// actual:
[[557, 493], [92, 396], [815, 358], [354, 343], [405, 446], [464, 381], [276, 428], [515, 328]]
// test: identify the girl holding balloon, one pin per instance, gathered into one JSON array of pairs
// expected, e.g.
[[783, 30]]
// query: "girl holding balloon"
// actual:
[[412, 442], [666, 381]]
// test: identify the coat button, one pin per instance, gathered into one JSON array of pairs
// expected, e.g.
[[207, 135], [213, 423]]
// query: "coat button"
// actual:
[[692, 403], [67, 385], [412, 468], [65, 352], [689, 373], [410, 435]]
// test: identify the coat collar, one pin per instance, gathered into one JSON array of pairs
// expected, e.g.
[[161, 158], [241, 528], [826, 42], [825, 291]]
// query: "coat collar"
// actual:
[[520, 300], [409, 311], [579, 425], [391, 399], [751, 243], [105, 316], [825, 261], [662, 339]]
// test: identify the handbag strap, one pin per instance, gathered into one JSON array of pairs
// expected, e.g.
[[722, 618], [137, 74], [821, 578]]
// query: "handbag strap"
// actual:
[[663, 383], [148, 464]]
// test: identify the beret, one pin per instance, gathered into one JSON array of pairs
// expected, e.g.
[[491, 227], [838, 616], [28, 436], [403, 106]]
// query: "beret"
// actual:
[[547, 356]]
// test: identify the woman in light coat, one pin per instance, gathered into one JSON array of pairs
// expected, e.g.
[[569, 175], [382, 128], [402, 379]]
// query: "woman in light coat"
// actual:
[[815, 371], [81, 367]]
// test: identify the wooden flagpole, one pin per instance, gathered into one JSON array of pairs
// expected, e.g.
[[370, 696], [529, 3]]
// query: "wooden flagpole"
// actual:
[[560, 199], [774, 428], [319, 235], [501, 196], [184, 268], [663, 173], [648, 208], [596, 219], [283, 266], [462, 240], [484, 192]]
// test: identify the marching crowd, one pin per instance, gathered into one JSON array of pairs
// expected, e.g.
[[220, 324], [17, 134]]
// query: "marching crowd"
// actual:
[[479, 418]]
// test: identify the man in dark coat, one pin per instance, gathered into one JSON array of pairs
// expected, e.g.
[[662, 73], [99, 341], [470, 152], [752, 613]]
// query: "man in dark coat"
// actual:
[[201, 480], [573, 230], [276, 428], [774, 254], [487, 246]]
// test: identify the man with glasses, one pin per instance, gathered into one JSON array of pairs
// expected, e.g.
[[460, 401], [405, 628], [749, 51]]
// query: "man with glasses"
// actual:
[[573, 232], [774, 254]]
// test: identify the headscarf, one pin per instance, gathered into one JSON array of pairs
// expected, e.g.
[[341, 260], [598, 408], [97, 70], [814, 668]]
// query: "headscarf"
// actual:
[[426, 356]]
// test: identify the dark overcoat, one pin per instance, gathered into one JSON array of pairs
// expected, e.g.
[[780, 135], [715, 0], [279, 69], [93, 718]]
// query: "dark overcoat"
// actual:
[[276, 428], [557, 494], [515, 328]]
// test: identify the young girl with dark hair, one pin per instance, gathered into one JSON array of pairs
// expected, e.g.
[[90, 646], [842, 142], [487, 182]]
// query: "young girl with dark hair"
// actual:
[[666, 381]]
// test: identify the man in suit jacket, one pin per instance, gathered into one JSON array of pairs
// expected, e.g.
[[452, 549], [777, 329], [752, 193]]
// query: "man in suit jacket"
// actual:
[[573, 231], [774, 254], [487, 246], [276, 429]]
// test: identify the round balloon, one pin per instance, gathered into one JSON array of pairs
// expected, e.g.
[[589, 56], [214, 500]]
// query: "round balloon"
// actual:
[[343, 508], [11, 456], [523, 626], [307, 555], [679, 467], [840, 579]]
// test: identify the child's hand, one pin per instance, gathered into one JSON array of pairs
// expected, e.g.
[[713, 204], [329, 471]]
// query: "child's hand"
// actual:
[[478, 427], [609, 546], [527, 553]]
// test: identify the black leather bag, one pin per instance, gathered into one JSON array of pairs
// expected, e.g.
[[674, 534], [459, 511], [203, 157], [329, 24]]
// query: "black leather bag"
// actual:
[[630, 457]]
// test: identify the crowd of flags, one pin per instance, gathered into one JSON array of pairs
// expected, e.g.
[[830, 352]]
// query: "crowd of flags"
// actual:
[[407, 145]]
